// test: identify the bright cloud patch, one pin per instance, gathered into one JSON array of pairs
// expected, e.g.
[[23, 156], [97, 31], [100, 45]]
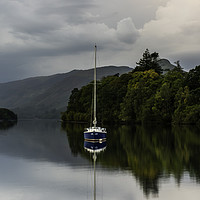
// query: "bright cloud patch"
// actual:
[[175, 31], [126, 31]]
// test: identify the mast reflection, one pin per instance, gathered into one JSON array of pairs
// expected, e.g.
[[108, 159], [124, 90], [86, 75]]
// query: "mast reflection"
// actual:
[[95, 147]]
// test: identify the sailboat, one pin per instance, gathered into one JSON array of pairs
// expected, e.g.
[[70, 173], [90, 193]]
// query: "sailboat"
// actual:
[[95, 133]]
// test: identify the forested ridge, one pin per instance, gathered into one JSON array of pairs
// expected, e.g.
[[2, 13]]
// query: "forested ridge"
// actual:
[[141, 96]]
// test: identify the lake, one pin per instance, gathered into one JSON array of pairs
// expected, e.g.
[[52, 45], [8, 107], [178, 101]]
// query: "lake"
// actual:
[[40, 159]]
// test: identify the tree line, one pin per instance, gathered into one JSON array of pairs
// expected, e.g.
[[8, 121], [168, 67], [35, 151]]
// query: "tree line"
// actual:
[[145, 95]]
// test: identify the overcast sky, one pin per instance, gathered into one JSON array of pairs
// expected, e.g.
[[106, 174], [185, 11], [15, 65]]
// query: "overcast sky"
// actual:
[[43, 37]]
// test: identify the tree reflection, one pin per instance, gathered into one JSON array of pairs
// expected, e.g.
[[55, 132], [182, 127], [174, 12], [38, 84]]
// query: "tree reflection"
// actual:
[[75, 137], [4, 125], [150, 153]]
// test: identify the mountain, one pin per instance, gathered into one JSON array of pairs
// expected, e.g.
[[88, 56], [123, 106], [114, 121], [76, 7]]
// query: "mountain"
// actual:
[[47, 96], [165, 64]]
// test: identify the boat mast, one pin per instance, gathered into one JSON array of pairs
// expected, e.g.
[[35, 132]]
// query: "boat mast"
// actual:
[[95, 87]]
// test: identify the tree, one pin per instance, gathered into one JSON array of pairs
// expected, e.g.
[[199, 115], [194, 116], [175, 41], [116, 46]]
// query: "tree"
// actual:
[[141, 88], [149, 61], [7, 115], [111, 91], [163, 103], [186, 111], [193, 78], [79, 105]]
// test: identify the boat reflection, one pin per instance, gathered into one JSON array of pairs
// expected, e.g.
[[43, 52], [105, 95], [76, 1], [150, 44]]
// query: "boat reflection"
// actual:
[[95, 148]]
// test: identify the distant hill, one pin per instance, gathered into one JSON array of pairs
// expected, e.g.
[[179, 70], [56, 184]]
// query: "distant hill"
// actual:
[[166, 65], [47, 96]]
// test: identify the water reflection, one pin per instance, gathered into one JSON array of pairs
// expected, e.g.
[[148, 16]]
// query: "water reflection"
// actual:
[[5, 125], [39, 158], [39, 140], [151, 154], [95, 148]]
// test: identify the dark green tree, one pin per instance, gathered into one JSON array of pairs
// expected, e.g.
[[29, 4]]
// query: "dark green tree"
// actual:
[[7, 115], [141, 89], [148, 61], [164, 102], [79, 104], [110, 93], [193, 78]]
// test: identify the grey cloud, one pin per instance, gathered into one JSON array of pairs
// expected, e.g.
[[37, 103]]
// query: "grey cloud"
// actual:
[[12, 69], [41, 35], [37, 32], [71, 14], [188, 60], [126, 31], [42, 17]]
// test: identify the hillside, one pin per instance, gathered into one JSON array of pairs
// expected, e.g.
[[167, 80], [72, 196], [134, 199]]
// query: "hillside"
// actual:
[[47, 96]]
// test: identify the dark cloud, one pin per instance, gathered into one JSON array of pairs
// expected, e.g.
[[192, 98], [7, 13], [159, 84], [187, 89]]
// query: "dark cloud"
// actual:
[[189, 60], [13, 69]]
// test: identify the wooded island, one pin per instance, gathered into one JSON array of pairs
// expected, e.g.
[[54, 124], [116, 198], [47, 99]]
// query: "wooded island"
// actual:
[[7, 115], [144, 95]]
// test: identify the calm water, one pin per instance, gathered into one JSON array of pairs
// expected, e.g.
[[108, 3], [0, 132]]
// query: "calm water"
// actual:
[[41, 160]]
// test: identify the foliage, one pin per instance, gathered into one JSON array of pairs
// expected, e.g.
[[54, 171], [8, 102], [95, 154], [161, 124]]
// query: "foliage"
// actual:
[[193, 78], [141, 88], [111, 91], [149, 61], [164, 102], [79, 105], [7, 115], [141, 96]]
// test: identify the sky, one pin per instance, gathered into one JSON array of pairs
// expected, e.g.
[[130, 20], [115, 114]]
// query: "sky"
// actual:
[[44, 37]]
